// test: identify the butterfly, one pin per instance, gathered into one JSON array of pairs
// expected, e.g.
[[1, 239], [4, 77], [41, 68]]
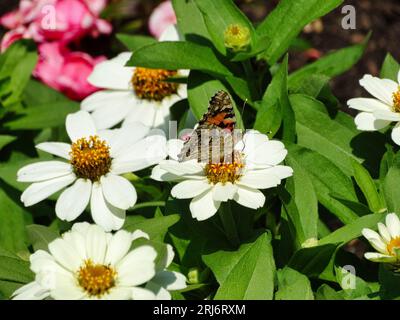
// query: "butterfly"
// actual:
[[213, 138]]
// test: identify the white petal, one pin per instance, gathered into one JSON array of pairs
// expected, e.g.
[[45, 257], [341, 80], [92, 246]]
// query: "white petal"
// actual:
[[103, 213], [39, 191], [204, 206], [30, 291], [396, 134], [44, 170], [80, 125], [267, 153], [162, 175], [74, 200], [137, 234], [109, 107], [174, 147], [65, 254], [60, 149], [170, 280], [384, 232], [393, 225], [367, 104], [144, 112], [366, 121], [126, 137], [379, 257], [160, 292], [96, 244], [118, 191], [250, 198], [224, 192], [119, 293], [137, 267], [66, 288], [113, 74], [118, 247], [387, 115], [142, 294], [143, 154], [265, 178], [171, 33], [190, 188], [375, 240], [191, 167], [380, 89]]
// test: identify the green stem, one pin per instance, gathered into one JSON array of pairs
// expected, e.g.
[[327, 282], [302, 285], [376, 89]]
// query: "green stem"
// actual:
[[251, 78], [228, 223]]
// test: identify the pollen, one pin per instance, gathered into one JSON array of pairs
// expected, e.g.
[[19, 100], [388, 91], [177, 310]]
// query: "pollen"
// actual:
[[90, 158], [223, 172], [396, 101], [393, 244], [151, 84], [96, 279]]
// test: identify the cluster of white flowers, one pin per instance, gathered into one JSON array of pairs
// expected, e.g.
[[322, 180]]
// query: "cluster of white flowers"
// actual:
[[89, 262]]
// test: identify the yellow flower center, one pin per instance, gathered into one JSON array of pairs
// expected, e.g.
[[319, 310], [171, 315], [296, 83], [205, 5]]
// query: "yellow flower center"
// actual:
[[223, 172], [396, 101], [393, 244], [96, 279], [237, 37], [150, 84], [90, 158]]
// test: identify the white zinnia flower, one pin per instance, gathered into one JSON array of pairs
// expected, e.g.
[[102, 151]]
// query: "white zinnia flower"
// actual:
[[164, 280], [386, 242], [209, 184], [133, 93], [89, 263], [377, 113], [94, 162]]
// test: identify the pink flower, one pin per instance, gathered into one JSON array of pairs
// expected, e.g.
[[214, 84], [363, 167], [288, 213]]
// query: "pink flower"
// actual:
[[66, 71], [57, 20], [162, 17], [69, 20], [10, 37]]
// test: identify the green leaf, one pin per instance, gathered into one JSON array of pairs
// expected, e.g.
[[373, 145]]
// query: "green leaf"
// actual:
[[367, 186], [190, 21], [5, 140], [244, 274], [13, 268], [312, 85], [327, 180], [47, 115], [352, 230], [12, 225], [391, 190], [201, 87], [269, 116], [156, 227], [292, 285], [134, 42], [305, 201], [325, 292], [178, 55], [218, 15], [390, 68], [330, 65], [313, 261], [390, 283], [16, 66], [318, 132], [288, 20], [40, 236]]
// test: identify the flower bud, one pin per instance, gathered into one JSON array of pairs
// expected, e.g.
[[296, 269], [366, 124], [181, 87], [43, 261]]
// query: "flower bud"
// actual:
[[237, 37]]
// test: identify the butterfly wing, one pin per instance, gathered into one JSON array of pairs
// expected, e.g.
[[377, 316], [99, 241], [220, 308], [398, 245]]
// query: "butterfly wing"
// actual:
[[212, 132]]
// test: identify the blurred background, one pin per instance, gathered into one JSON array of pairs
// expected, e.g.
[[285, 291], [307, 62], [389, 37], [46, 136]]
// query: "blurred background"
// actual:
[[321, 37]]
